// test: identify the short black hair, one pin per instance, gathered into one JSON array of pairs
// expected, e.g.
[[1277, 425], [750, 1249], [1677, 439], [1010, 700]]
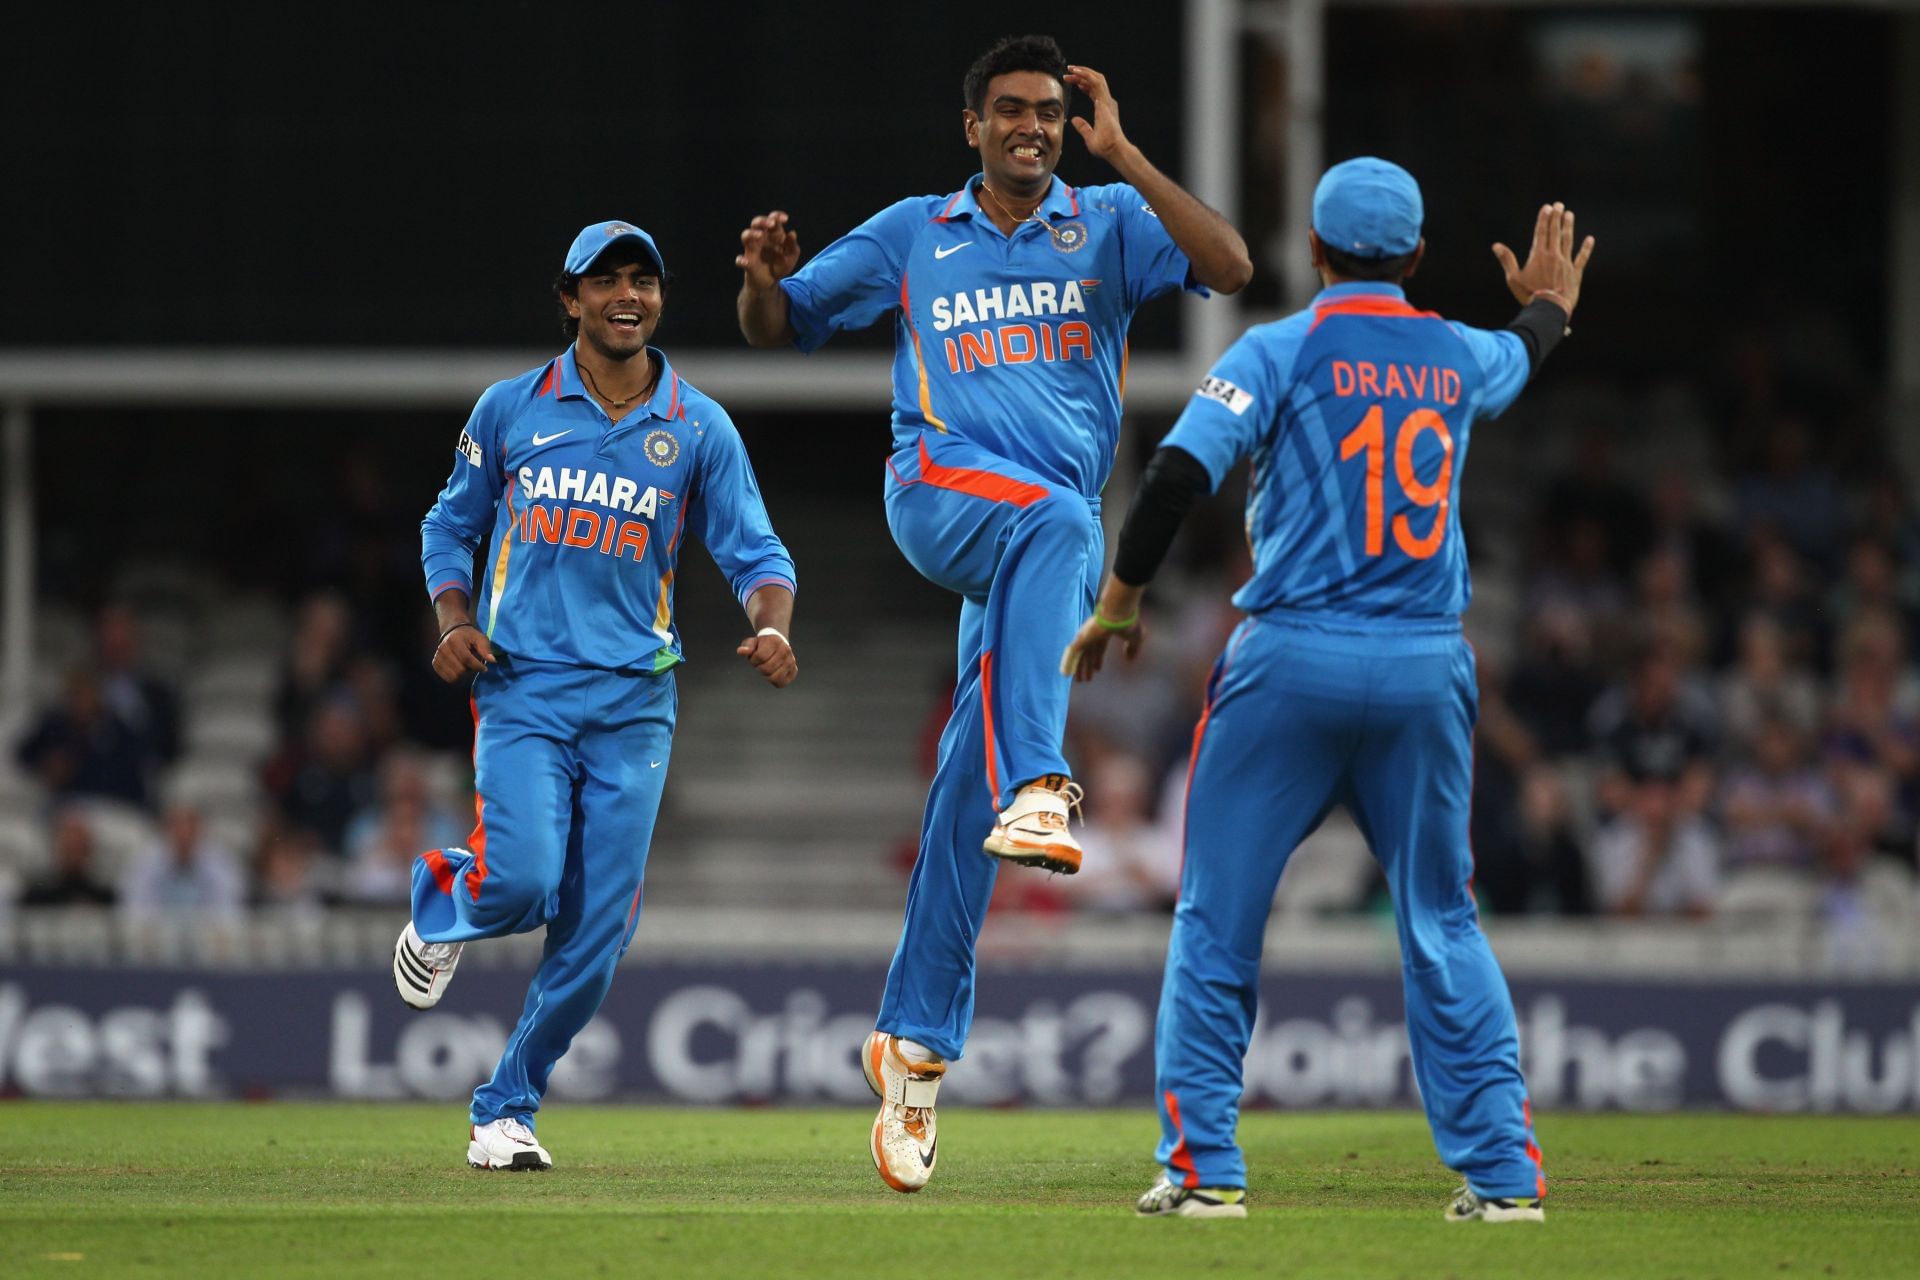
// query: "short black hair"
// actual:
[[1392, 270], [567, 285], [1010, 54]]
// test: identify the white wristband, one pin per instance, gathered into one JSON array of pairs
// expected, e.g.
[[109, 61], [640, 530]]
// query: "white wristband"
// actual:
[[773, 631]]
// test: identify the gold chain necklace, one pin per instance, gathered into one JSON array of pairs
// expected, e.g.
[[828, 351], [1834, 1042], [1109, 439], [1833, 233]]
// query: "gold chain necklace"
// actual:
[[621, 404], [1031, 217]]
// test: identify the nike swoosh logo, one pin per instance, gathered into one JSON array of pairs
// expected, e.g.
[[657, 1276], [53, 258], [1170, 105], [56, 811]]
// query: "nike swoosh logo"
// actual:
[[540, 439], [926, 1157], [951, 249], [654, 765]]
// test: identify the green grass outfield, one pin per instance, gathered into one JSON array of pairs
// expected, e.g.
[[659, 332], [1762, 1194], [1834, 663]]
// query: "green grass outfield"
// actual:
[[329, 1190]]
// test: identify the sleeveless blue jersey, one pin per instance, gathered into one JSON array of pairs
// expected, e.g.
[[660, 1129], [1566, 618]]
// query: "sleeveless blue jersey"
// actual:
[[1355, 414]]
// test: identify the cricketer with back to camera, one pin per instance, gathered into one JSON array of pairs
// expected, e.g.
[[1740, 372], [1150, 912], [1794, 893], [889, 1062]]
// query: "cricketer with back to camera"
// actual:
[[1012, 297], [1348, 683], [588, 471]]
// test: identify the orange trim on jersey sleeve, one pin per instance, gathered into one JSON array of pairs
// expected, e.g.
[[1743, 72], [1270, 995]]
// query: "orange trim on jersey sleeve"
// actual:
[[951, 201], [552, 382], [919, 364], [979, 484], [1370, 305], [1125, 347]]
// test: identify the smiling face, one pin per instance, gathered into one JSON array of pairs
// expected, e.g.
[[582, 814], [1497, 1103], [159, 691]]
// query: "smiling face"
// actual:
[[618, 303], [1018, 131]]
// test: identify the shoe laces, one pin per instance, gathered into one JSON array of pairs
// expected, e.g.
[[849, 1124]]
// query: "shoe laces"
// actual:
[[438, 955], [515, 1130], [1071, 792], [914, 1121]]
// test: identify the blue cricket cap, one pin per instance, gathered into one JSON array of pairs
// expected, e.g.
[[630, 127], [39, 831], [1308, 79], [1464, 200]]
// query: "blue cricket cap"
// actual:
[[598, 238], [1368, 207]]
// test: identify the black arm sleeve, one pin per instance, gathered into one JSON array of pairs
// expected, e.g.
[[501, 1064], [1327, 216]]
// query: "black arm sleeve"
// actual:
[[1174, 480], [1541, 324]]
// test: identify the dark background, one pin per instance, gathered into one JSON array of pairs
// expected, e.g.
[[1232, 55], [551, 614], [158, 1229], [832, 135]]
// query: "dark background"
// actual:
[[411, 175], [226, 175]]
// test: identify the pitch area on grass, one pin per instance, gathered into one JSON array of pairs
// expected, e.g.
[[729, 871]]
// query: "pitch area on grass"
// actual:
[[328, 1190]]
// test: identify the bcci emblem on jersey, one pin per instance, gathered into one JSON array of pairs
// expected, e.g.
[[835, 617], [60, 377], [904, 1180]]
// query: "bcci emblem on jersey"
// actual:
[[661, 448], [1070, 237]]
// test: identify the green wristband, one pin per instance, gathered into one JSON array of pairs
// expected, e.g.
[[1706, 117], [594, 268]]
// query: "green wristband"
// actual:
[[1108, 624]]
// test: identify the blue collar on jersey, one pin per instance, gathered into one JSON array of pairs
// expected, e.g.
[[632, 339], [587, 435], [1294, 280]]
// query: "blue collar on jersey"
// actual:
[[664, 404], [1061, 202], [1361, 289]]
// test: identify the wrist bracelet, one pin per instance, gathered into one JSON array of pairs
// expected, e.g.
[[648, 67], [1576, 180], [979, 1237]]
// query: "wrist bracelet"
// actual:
[[450, 630], [1110, 624], [773, 631]]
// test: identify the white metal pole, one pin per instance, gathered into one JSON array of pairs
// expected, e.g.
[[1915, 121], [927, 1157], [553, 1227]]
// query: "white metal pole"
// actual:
[[1213, 131], [1306, 142], [16, 610]]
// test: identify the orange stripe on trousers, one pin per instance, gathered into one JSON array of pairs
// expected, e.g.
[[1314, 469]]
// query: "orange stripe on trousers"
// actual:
[[477, 842], [1533, 1150], [986, 711], [1182, 1158]]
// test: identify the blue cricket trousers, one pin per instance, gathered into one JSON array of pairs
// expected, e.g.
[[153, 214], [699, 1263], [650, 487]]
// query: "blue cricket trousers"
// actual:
[[569, 763], [1025, 555], [1302, 715]]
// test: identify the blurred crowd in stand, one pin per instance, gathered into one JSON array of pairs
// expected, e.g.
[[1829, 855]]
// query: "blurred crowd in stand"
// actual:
[[1698, 686], [337, 804], [1694, 628]]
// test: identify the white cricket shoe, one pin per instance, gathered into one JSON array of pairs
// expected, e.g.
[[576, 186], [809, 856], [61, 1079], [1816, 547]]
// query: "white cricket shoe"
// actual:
[[1033, 829], [422, 970], [506, 1144], [1164, 1200], [1469, 1205], [903, 1141]]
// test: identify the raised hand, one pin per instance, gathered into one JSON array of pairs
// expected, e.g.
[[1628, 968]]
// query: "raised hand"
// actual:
[[769, 250], [1552, 266], [1103, 137], [772, 657]]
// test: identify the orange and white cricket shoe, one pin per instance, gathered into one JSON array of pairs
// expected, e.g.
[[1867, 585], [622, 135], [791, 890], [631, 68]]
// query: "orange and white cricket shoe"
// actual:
[[1033, 829], [903, 1141]]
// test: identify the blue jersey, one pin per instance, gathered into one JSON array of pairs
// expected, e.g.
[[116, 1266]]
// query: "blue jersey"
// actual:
[[587, 516], [1355, 414], [1016, 343]]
